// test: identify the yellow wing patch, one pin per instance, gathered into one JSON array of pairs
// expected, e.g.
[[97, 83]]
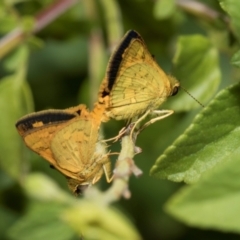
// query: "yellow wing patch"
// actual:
[[134, 82], [68, 140]]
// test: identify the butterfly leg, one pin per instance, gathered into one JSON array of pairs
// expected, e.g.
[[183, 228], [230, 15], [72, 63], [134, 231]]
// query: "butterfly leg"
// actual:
[[116, 138], [162, 114], [137, 122], [106, 165], [107, 170]]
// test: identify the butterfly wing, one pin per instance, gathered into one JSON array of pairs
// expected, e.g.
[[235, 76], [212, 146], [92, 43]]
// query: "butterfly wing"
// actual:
[[74, 145], [77, 150], [134, 81], [37, 129]]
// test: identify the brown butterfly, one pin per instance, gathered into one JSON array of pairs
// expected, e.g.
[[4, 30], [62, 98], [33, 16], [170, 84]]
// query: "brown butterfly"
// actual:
[[69, 140], [135, 85]]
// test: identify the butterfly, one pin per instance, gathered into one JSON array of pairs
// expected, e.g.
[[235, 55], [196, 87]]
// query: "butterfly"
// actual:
[[69, 140], [134, 84]]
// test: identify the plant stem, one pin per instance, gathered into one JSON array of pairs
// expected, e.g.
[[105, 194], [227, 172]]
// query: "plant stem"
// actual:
[[201, 9], [124, 168], [43, 18]]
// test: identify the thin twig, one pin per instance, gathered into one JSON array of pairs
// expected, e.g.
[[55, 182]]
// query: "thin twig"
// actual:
[[43, 18], [199, 8], [48, 15]]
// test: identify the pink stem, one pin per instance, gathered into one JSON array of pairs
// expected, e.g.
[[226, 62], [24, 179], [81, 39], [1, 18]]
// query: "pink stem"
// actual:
[[43, 18]]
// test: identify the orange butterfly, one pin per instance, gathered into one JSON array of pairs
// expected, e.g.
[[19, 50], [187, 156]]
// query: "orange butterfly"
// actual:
[[135, 85], [69, 140]]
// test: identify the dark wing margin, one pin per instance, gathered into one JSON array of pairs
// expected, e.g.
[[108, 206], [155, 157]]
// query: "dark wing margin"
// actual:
[[47, 117], [116, 58]]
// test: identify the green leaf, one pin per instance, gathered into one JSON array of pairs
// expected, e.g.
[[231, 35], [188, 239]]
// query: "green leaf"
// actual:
[[94, 221], [211, 138], [164, 9], [213, 202], [41, 221], [232, 8], [9, 218], [5, 181], [236, 59], [27, 24], [89, 219], [7, 19], [15, 101], [43, 188], [12, 62], [196, 66]]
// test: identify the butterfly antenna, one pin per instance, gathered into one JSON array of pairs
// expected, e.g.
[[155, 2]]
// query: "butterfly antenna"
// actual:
[[192, 96]]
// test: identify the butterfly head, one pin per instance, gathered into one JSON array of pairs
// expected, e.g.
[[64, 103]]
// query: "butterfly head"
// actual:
[[174, 85]]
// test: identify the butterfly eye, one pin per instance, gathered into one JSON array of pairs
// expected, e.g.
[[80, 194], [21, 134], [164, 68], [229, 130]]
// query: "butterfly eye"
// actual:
[[175, 90]]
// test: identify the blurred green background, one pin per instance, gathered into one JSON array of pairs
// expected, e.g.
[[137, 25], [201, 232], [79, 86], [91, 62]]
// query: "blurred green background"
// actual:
[[63, 65]]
